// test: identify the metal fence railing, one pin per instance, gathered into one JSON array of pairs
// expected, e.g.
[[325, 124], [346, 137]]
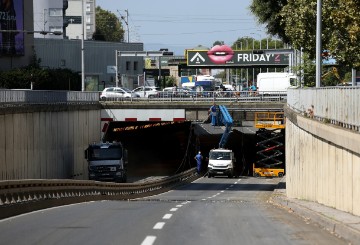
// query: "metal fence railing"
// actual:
[[208, 96], [46, 97], [20, 196], [335, 105]]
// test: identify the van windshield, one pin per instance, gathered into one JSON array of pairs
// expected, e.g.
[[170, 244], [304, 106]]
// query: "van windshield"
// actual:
[[216, 155], [105, 154]]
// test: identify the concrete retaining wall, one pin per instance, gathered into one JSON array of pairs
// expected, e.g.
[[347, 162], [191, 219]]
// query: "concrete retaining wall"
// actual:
[[322, 163], [46, 144]]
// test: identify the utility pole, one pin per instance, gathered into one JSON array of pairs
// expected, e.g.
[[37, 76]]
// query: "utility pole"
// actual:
[[82, 47], [126, 20], [318, 43]]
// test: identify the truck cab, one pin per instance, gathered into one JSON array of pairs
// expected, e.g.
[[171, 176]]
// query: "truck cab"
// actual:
[[221, 162], [107, 161]]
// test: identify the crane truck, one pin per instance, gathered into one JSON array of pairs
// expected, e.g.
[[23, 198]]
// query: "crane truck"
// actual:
[[107, 161], [221, 160]]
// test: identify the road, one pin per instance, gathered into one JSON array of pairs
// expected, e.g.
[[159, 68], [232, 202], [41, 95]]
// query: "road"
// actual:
[[207, 211]]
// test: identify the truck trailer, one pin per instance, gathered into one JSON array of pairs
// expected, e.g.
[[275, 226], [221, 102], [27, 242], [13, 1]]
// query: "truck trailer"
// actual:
[[273, 82], [107, 161]]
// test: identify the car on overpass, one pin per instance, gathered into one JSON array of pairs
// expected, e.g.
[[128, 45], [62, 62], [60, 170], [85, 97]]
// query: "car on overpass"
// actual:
[[146, 91], [117, 92]]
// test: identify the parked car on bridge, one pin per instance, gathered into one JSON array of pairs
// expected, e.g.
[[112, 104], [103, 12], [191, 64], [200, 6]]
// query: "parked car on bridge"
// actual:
[[117, 92], [146, 91]]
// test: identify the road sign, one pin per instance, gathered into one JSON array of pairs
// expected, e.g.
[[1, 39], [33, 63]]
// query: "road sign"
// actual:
[[223, 57]]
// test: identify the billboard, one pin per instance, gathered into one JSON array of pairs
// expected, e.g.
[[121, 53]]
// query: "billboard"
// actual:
[[223, 56], [11, 27]]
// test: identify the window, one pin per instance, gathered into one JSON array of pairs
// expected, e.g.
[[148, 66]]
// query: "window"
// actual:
[[88, 18], [88, 7], [127, 65], [55, 12], [135, 66]]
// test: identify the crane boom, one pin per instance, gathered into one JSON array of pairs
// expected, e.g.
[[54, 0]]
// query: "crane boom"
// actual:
[[226, 120]]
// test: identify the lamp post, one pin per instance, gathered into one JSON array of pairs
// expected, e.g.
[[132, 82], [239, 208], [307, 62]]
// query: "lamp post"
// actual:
[[318, 44], [82, 48]]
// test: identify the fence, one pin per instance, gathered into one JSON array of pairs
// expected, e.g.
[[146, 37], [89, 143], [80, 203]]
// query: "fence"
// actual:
[[335, 105], [46, 97]]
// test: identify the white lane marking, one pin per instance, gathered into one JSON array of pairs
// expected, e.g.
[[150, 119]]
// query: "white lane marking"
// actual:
[[173, 209], [222, 191], [203, 199], [159, 225], [235, 182], [149, 240], [167, 216], [179, 206]]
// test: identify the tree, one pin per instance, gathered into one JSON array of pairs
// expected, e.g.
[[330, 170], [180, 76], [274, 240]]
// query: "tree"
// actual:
[[108, 27], [340, 28], [268, 13]]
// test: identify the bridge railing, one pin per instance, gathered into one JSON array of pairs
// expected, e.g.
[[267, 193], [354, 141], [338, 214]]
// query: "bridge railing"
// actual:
[[20, 196], [13, 97], [209, 96], [46, 97], [335, 105]]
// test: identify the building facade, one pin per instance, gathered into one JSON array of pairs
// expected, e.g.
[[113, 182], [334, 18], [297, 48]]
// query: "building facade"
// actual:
[[64, 16]]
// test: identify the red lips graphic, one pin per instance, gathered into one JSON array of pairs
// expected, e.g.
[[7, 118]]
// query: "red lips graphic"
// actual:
[[219, 54]]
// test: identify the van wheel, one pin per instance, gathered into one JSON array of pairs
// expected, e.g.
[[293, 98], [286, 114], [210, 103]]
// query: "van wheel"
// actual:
[[209, 175]]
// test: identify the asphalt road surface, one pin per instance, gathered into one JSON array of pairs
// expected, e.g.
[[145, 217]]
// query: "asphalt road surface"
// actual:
[[208, 211]]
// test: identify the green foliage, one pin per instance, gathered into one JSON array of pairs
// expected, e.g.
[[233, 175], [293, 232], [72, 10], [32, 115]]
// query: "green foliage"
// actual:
[[170, 81], [218, 43], [294, 22], [108, 27], [43, 79]]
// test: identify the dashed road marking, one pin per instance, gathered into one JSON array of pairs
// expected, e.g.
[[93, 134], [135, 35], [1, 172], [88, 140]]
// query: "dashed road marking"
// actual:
[[179, 206], [149, 240], [159, 225], [173, 209], [167, 216]]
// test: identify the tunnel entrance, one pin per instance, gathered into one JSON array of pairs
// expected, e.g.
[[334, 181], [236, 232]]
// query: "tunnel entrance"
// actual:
[[167, 148]]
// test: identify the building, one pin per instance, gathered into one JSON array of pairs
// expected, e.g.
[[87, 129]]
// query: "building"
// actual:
[[64, 16], [16, 43]]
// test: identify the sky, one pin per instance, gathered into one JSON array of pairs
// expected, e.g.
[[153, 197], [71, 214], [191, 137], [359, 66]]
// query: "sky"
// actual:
[[185, 24]]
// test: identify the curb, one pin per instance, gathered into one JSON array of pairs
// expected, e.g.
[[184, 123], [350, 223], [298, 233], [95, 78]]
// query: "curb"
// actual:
[[340, 223]]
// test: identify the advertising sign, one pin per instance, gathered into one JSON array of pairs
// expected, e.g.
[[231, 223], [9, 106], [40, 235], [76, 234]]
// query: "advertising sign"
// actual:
[[223, 55], [11, 27]]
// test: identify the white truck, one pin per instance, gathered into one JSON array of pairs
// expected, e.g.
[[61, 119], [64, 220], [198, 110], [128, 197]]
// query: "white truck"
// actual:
[[274, 82], [221, 162]]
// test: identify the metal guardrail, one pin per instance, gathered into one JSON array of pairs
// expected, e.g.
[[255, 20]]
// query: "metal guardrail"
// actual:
[[20, 97], [46, 97], [193, 97], [20, 196], [335, 105]]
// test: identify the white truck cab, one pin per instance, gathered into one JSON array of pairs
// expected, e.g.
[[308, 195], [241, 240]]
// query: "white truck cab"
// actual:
[[221, 162]]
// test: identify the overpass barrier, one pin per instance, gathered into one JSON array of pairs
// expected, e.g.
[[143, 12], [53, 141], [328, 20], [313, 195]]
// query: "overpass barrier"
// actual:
[[21, 196], [46, 97], [335, 105], [16, 97]]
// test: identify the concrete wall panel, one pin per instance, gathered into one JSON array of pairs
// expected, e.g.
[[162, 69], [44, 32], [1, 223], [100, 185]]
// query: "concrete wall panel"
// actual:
[[2, 147], [325, 166], [47, 144]]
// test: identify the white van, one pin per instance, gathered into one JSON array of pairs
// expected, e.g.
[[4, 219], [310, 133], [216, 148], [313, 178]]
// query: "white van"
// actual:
[[275, 82]]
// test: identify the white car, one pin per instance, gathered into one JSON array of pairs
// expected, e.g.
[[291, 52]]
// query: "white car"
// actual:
[[117, 92], [146, 91]]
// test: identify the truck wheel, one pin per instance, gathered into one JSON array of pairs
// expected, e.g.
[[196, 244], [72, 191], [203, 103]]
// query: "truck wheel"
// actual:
[[257, 175], [280, 174]]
